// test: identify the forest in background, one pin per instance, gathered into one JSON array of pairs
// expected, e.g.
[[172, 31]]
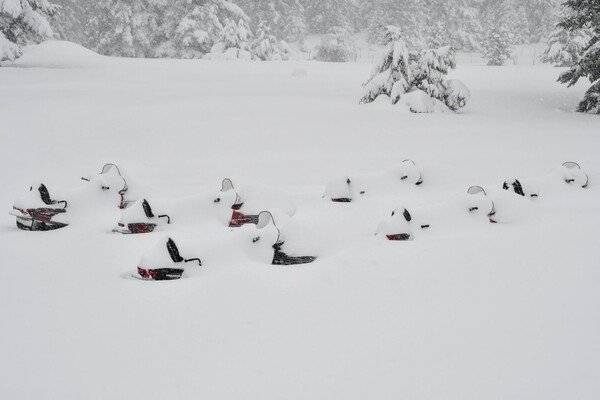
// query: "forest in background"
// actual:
[[190, 28]]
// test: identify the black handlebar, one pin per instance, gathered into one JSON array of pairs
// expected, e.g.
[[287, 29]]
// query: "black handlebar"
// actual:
[[165, 216]]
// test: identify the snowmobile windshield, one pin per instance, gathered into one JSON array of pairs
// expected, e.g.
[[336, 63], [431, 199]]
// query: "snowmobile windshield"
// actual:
[[107, 168], [571, 165], [264, 219], [227, 185], [476, 190]]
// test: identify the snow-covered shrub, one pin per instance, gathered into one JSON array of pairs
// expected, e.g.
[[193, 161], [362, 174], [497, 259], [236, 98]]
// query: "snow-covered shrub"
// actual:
[[334, 46], [22, 21], [284, 52], [233, 42], [564, 47], [402, 71]]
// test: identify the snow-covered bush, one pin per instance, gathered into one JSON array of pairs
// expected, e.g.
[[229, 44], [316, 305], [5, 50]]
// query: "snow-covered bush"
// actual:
[[233, 42], [402, 71], [564, 47], [334, 46], [22, 21]]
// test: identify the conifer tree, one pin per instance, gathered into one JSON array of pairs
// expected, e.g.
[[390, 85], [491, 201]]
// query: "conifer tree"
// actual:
[[402, 71], [584, 14], [264, 44], [22, 21], [564, 47], [203, 24], [295, 21]]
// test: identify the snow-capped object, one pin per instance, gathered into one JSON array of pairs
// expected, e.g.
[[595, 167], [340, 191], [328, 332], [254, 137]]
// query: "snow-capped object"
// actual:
[[111, 179], [457, 94], [350, 188], [38, 211], [473, 208], [569, 173], [419, 102], [141, 218], [249, 200], [163, 262], [58, 54], [269, 232]]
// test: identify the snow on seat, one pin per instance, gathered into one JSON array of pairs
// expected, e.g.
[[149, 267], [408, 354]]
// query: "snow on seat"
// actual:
[[350, 188]]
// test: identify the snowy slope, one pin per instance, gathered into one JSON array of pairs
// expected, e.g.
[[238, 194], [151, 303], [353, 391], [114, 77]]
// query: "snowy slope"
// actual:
[[466, 312]]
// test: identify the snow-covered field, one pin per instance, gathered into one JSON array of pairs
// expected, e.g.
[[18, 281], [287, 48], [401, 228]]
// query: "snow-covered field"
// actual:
[[463, 311]]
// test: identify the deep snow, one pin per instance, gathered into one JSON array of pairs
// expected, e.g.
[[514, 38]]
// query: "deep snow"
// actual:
[[466, 311]]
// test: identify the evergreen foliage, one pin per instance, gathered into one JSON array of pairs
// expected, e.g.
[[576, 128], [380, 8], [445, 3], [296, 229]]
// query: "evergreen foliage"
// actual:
[[402, 71], [23, 21], [584, 14], [564, 47]]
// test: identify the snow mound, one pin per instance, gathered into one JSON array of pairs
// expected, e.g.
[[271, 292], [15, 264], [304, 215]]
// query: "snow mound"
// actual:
[[57, 54], [420, 102]]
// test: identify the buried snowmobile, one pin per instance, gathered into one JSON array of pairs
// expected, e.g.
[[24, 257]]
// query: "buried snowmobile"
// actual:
[[473, 208], [237, 218], [111, 179], [39, 212], [348, 189], [569, 173], [266, 222], [250, 200], [161, 265], [261, 242], [139, 218]]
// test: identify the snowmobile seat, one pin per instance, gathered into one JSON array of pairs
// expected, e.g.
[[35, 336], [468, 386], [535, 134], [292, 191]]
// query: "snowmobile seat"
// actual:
[[45, 196], [174, 253]]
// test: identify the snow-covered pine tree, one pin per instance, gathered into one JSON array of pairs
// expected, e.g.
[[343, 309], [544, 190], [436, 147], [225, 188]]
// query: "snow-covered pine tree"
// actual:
[[513, 14], [295, 21], [69, 23], [233, 42], [202, 26], [410, 15], [453, 23], [541, 17], [584, 14], [498, 37], [271, 11], [334, 46], [403, 72], [496, 48], [128, 28], [325, 16], [564, 47], [264, 44], [22, 21]]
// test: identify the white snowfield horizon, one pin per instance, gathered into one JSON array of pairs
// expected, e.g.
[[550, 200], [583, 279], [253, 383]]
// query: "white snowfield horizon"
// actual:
[[463, 311]]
